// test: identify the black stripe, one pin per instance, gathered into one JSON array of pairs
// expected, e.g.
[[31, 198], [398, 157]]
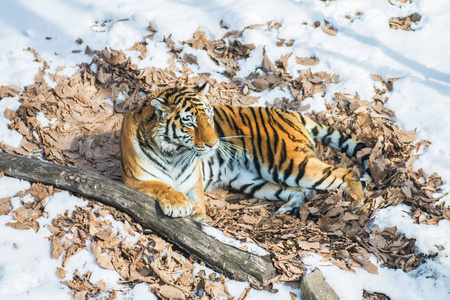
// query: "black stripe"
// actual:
[[127, 171], [150, 119], [275, 175], [232, 159], [283, 153], [342, 139], [167, 131], [365, 158], [344, 149], [203, 170], [302, 119], [278, 193], [270, 154], [219, 158], [218, 113], [256, 188], [242, 115], [274, 124], [218, 130], [145, 170], [168, 93], [326, 139], [184, 167], [211, 175], [254, 154], [238, 128], [301, 170], [288, 171], [144, 105], [244, 187], [326, 172], [358, 147], [233, 180], [185, 178], [292, 126], [174, 128], [343, 177], [219, 174], [148, 151], [258, 141], [334, 179]]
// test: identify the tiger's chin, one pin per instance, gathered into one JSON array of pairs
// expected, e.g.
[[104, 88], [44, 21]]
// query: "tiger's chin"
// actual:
[[204, 154]]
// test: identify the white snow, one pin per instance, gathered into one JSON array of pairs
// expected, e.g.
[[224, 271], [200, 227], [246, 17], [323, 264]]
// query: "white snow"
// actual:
[[363, 45], [11, 186], [217, 234], [43, 119], [8, 136]]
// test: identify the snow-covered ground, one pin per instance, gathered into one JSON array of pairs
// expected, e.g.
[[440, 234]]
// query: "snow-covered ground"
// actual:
[[364, 45]]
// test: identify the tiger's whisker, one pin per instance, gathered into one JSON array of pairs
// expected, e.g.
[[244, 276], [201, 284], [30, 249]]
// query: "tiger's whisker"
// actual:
[[233, 146], [231, 151], [228, 153], [234, 137]]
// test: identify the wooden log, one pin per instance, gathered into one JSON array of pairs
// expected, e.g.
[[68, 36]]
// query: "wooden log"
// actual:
[[183, 232], [314, 287]]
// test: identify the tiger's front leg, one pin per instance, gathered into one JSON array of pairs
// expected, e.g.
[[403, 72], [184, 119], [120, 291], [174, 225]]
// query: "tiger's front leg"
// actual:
[[172, 202]]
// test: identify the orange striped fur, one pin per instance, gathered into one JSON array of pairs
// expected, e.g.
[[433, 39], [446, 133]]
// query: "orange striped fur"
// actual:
[[175, 145]]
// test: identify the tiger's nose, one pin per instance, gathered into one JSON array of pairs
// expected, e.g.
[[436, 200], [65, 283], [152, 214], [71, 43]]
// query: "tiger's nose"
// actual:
[[212, 144]]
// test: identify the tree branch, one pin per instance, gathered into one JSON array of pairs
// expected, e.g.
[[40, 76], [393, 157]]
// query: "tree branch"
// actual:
[[183, 232]]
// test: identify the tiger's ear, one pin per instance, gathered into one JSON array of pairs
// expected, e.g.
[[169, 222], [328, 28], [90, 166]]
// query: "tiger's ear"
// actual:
[[161, 109], [203, 89]]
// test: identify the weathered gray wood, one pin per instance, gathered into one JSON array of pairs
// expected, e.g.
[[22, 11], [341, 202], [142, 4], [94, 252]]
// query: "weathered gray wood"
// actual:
[[183, 232], [314, 287]]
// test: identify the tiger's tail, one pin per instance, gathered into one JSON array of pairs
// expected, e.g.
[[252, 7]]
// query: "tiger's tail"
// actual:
[[340, 141]]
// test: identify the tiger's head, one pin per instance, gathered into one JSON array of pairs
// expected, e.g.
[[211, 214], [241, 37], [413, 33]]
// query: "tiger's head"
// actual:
[[185, 121]]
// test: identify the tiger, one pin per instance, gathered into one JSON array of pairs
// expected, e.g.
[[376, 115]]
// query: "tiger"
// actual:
[[176, 145]]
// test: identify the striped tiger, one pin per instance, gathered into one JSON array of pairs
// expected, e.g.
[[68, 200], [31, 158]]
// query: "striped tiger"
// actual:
[[175, 146]]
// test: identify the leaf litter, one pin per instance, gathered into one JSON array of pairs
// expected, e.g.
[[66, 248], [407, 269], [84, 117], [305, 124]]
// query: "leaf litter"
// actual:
[[86, 134]]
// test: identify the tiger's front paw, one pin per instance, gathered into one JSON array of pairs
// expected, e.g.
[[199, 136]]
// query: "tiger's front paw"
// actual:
[[292, 207], [176, 205]]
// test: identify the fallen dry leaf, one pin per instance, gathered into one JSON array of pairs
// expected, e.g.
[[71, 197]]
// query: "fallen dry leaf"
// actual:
[[367, 265], [171, 292], [141, 47], [267, 64], [405, 22], [56, 248], [5, 206], [190, 58], [329, 29], [307, 61], [61, 273]]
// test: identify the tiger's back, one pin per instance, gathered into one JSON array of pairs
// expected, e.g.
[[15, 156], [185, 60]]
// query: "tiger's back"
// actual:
[[275, 155]]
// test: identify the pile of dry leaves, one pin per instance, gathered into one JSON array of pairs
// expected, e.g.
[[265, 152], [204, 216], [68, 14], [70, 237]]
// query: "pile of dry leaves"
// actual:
[[150, 259], [85, 135], [404, 23]]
